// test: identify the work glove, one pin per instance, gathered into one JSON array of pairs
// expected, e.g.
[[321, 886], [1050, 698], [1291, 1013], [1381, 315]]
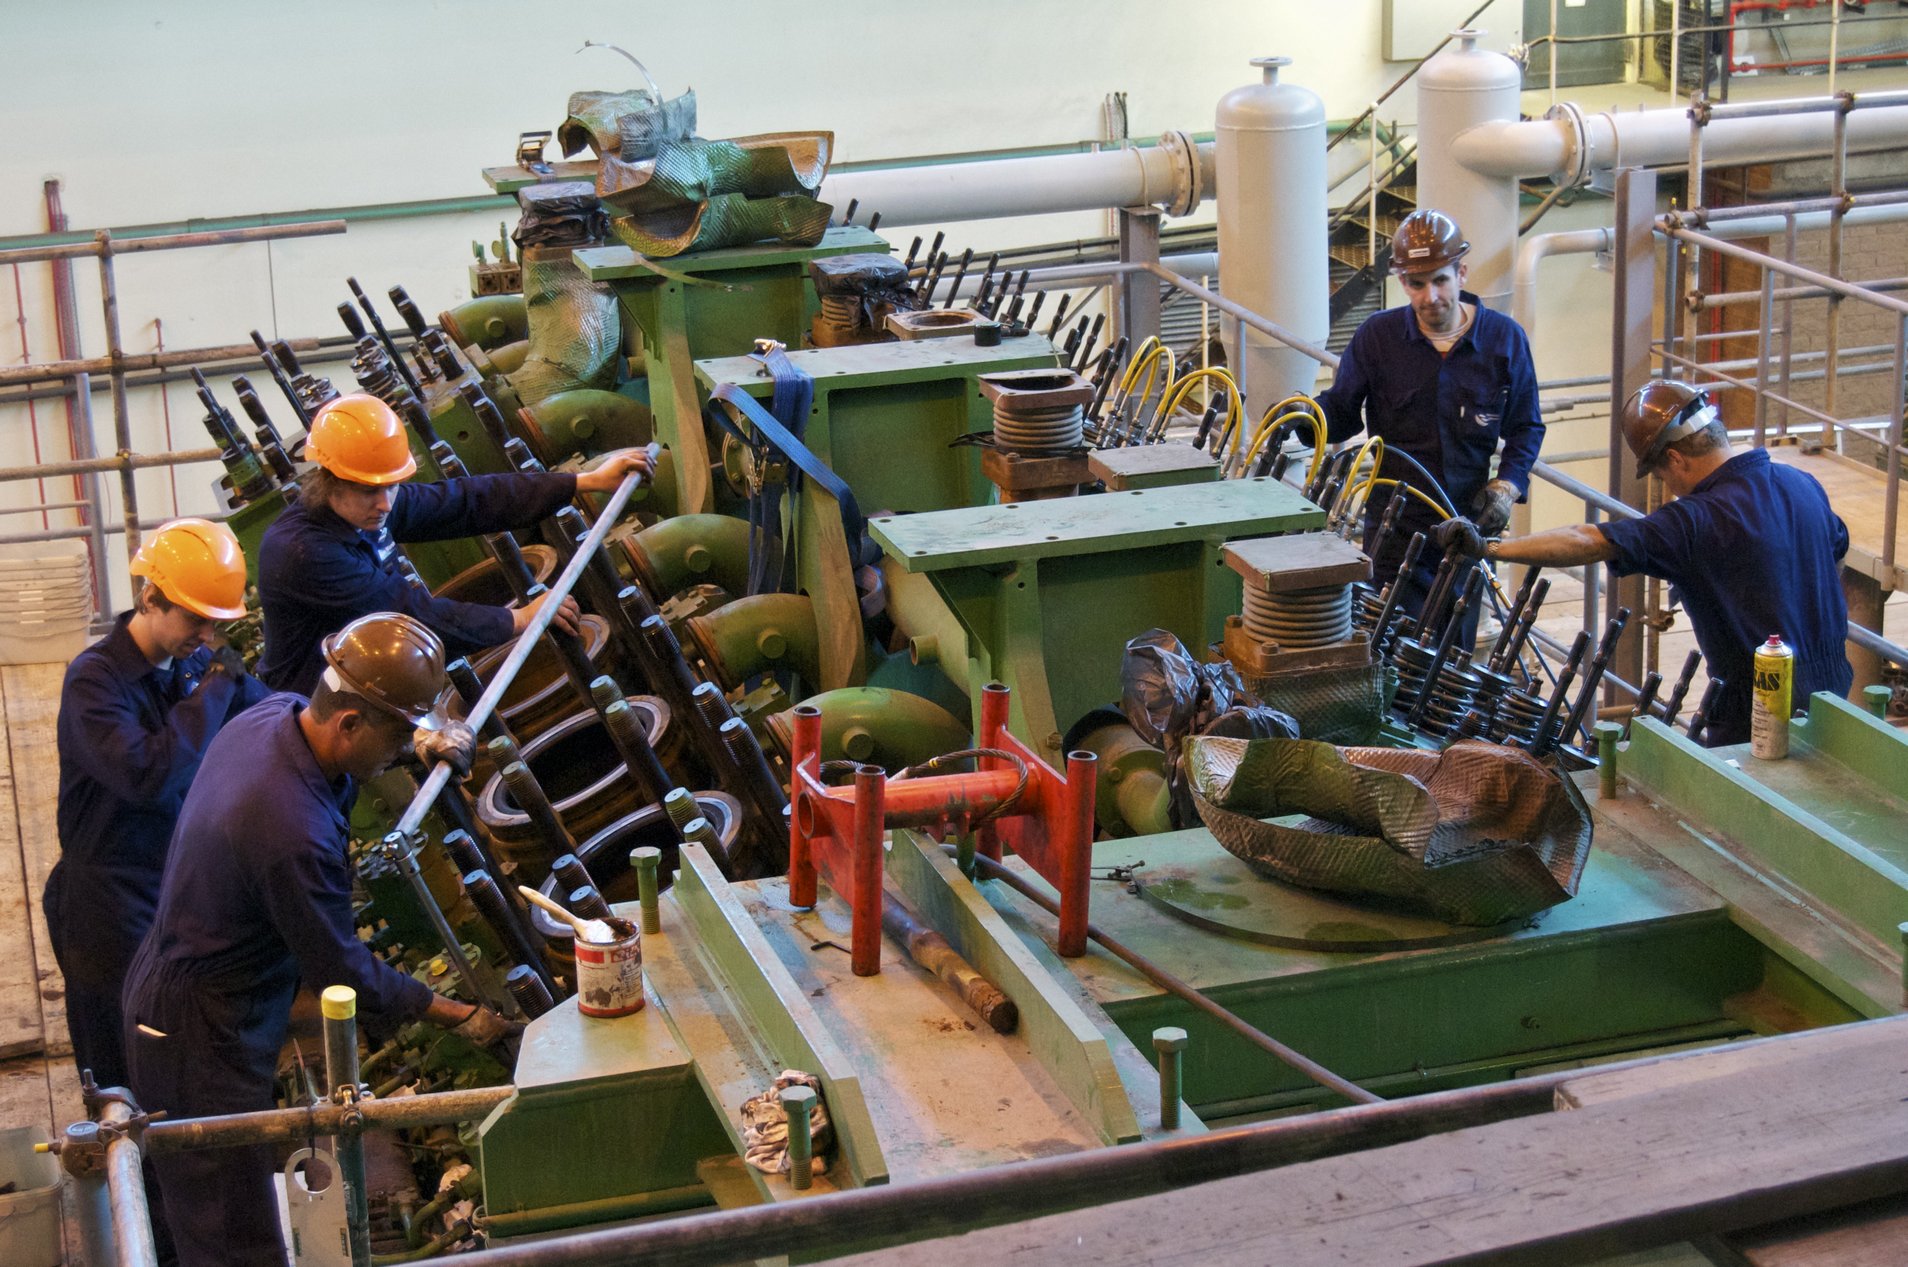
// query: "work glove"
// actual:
[[1460, 537], [226, 661], [454, 743], [482, 1027], [1492, 506]]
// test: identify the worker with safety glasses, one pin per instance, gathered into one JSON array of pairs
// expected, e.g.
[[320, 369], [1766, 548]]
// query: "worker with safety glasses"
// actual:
[[138, 709], [332, 555], [1750, 548], [1442, 380], [257, 898]]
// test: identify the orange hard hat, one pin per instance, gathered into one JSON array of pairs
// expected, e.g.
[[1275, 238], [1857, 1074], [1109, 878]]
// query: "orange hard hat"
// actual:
[[359, 438], [198, 565]]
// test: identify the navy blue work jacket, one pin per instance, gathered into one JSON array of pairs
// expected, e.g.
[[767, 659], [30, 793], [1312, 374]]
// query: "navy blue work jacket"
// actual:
[[130, 736], [317, 574], [1447, 411], [1753, 550], [256, 898]]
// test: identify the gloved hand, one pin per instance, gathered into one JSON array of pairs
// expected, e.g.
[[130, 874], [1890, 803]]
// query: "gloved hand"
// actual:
[[1492, 506], [226, 661], [454, 743], [482, 1027], [607, 477], [1461, 536]]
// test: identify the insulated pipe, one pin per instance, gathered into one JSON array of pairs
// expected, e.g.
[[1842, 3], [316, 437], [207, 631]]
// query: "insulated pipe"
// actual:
[[892, 729], [1136, 176], [1272, 230], [1459, 90], [691, 550], [586, 420], [763, 631], [1571, 144], [1533, 250]]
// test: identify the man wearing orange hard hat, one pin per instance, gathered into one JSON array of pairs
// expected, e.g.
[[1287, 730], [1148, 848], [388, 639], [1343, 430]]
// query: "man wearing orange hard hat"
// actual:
[[332, 556], [137, 712]]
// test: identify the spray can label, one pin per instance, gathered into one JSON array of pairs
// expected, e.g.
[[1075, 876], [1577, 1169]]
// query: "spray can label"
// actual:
[[1771, 699], [609, 975]]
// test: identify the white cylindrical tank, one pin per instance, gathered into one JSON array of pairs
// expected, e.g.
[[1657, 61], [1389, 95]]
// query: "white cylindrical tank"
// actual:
[[1270, 152], [1462, 87]]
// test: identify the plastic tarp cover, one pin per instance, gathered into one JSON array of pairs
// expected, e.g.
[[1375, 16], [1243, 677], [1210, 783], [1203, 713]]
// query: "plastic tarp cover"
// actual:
[[630, 123], [703, 195], [1478, 834], [566, 213], [1342, 706], [1169, 697]]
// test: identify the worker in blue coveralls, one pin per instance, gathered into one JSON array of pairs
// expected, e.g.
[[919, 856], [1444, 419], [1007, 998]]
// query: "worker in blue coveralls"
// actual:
[[137, 711], [331, 556], [1750, 548], [257, 898], [1442, 381]]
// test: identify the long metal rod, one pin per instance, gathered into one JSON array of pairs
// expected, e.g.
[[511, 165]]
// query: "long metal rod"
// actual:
[[526, 642], [1836, 285], [1246, 315], [1186, 993], [45, 371], [285, 1126], [126, 1193], [122, 414], [118, 462], [174, 241], [1892, 497]]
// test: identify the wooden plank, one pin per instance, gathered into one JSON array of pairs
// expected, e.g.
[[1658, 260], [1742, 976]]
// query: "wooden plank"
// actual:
[[22, 1029], [1758, 1056], [613, 263], [33, 707], [1825, 1126], [904, 361]]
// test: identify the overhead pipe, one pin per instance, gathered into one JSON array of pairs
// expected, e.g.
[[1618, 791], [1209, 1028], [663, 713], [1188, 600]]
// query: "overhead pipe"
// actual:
[[1175, 173]]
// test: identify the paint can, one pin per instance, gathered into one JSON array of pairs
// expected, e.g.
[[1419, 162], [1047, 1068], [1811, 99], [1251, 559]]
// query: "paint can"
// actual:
[[609, 975], [1771, 700]]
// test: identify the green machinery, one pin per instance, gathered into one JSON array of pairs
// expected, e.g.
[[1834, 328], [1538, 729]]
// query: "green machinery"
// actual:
[[1724, 897]]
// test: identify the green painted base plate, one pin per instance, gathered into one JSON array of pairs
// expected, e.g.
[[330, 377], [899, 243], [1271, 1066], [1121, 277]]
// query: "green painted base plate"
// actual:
[[1224, 895]]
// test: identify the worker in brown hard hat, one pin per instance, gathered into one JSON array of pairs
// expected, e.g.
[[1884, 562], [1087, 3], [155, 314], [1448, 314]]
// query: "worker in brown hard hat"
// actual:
[[257, 900], [1750, 548], [1443, 381]]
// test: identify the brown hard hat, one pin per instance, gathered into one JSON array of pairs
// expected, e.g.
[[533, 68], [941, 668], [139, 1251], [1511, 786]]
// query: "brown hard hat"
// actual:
[[1426, 241], [392, 662], [1661, 412]]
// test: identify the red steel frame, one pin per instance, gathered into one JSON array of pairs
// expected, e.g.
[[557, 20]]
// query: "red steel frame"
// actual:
[[838, 833]]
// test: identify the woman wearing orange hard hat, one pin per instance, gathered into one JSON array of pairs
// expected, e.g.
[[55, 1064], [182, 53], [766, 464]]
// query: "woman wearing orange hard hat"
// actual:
[[137, 712], [331, 557]]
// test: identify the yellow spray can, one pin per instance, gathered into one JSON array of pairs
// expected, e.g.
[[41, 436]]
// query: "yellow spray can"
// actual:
[[1771, 699]]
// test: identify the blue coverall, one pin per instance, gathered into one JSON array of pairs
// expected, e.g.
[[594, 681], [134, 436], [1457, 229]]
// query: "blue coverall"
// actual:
[[131, 735], [257, 897], [1753, 550], [316, 573], [1448, 411]]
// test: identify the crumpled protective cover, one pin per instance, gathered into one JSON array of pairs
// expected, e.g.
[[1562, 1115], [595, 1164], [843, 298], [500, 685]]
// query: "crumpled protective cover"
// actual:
[[608, 122], [1478, 834], [575, 332], [563, 213], [1168, 697], [730, 220], [1341, 706], [696, 170], [863, 275]]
